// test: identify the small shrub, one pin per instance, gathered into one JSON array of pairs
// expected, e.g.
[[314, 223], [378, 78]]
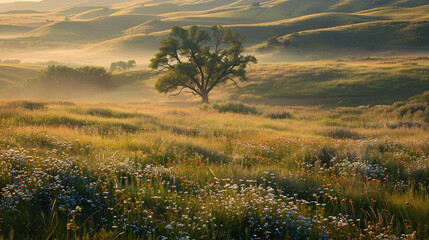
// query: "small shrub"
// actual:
[[424, 97], [399, 104], [107, 113], [331, 122], [29, 105], [404, 124], [325, 155], [341, 132], [279, 115], [233, 107], [411, 109]]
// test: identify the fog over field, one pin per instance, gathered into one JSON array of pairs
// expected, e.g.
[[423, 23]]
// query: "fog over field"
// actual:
[[214, 119]]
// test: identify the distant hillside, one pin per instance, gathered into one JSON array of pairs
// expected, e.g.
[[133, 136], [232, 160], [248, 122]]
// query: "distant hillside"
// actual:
[[47, 5], [11, 74], [370, 36], [275, 28], [95, 30], [348, 82]]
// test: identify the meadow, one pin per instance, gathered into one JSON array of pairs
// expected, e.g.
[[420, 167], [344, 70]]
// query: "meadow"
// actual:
[[220, 171]]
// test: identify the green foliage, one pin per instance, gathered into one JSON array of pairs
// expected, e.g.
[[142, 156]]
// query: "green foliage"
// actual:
[[122, 66], [341, 133], [279, 115], [354, 82], [274, 42], [29, 105], [108, 113], [233, 107], [374, 35], [60, 80], [424, 97], [193, 64]]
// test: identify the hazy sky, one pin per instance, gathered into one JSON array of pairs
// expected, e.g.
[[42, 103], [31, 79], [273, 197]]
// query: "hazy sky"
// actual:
[[7, 1]]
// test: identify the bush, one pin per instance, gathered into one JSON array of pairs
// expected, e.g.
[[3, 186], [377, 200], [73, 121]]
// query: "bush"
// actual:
[[279, 115], [404, 124], [341, 132], [424, 97], [233, 107], [107, 113], [29, 105], [64, 81], [411, 109]]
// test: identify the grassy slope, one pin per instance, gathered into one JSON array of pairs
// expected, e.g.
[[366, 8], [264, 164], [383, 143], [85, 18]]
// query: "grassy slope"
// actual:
[[344, 82], [10, 74], [74, 10], [95, 30], [417, 13], [94, 13], [257, 24], [370, 35], [256, 33], [159, 8], [404, 27], [359, 5], [136, 44], [14, 28]]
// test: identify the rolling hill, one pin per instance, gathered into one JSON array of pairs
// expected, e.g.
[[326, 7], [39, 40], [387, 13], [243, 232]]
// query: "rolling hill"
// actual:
[[98, 29], [273, 27], [11, 74], [370, 35]]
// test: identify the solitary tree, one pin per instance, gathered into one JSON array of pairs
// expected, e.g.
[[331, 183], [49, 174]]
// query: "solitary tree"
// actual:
[[197, 62]]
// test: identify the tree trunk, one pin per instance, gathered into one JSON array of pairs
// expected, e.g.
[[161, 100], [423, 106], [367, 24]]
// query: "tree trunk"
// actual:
[[205, 97]]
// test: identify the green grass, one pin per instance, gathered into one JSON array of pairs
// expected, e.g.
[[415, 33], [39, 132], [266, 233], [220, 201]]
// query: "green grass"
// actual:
[[367, 36], [150, 171], [350, 82], [417, 13]]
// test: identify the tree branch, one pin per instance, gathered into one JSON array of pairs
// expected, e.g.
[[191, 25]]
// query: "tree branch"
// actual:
[[174, 95]]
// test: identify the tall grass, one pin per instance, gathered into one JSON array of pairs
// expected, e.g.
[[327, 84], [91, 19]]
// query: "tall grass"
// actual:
[[91, 171]]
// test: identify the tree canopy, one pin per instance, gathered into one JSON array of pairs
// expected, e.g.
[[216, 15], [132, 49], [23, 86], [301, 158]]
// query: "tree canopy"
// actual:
[[60, 80], [122, 66], [197, 61]]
